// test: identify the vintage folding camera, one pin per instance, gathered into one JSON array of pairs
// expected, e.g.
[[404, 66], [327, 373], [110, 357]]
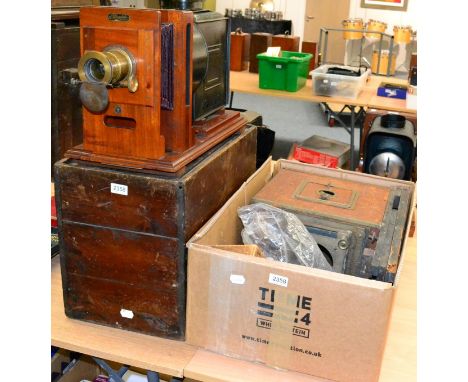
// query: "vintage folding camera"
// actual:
[[359, 227], [154, 84]]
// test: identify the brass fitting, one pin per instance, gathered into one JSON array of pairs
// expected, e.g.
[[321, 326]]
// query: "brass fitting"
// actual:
[[113, 66]]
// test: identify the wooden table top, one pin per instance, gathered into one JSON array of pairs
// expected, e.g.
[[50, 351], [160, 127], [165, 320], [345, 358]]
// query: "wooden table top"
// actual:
[[384, 103], [246, 82], [179, 359], [391, 104]]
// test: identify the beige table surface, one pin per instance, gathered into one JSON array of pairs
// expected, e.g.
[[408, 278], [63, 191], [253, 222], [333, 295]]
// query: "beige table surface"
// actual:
[[384, 103], [246, 82], [391, 104]]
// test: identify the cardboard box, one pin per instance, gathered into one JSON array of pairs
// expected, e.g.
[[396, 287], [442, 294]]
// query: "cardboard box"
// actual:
[[60, 360], [287, 316], [83, 368]]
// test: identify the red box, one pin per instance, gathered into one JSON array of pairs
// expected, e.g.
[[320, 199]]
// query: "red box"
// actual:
[[305, 155], [322, 151]]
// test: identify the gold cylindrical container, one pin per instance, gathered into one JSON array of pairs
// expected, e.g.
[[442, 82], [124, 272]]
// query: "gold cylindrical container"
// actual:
[[375, 26], [352, 24], [402, 34], [384, 58]]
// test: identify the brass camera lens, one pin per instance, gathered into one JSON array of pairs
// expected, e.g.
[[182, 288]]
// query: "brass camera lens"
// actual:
[[94, 70], [113, 66]]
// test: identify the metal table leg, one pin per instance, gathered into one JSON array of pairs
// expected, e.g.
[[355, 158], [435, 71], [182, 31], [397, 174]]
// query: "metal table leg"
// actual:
[[153, 376], [355, 116], [353, 121], [116, 376], [336, 116]]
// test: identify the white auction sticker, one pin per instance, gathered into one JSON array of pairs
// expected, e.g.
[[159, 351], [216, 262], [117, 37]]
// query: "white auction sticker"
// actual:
[[237, 279], [278, 280], [126, 313], [120, 189]]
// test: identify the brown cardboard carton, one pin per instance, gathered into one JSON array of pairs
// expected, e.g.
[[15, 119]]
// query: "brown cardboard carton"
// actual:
[[287, 316], [82, 369]]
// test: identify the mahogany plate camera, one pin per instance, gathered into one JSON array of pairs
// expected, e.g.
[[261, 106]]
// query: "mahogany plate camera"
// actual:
[[154, 86]]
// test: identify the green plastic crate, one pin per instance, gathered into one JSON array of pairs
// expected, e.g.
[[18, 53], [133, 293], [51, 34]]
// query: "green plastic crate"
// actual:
[[288, 72]]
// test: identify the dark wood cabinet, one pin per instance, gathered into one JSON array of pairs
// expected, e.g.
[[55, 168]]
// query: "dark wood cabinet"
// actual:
[[259, 43], [286, 42], [240, 50], [66, 118]]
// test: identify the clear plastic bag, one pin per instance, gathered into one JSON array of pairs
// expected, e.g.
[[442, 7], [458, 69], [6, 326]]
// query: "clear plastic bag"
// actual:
[[281, 235]]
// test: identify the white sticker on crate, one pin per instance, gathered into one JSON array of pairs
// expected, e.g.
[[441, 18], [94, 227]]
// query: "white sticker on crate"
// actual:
[[125, 313], [278, 280], [279, 66], [120, 189], [237, 279]]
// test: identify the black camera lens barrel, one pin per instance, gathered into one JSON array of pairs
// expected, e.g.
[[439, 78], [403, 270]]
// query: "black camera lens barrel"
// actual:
[[185, 5], [393, 121]]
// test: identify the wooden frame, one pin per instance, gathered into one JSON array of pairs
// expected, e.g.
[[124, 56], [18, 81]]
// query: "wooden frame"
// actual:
[[392, 5]]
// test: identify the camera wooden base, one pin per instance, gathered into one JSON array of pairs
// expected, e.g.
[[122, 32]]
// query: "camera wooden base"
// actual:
[[209, 133]]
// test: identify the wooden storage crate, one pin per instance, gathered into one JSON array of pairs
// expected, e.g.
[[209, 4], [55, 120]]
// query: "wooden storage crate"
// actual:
[[123, 234]]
